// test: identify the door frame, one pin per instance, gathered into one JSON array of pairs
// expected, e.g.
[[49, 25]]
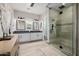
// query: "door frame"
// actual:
[[75, 28], [77, 18]]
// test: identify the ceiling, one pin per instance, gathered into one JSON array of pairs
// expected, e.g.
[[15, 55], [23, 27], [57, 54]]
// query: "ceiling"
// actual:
[[57, 5], [38, 8]]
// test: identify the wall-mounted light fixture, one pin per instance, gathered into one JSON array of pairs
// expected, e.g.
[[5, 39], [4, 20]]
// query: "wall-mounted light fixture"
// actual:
[[32, 4]]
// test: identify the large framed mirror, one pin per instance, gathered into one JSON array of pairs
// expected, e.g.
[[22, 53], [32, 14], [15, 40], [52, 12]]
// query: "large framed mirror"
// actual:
[[36, 25], [20, 25]]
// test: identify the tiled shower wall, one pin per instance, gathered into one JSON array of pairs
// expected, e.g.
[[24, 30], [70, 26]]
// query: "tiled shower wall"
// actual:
[[61, 35], [53, 17], [64, 31]]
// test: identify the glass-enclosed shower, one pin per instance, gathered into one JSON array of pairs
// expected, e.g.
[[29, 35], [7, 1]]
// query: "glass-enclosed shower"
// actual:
[[61, 26]]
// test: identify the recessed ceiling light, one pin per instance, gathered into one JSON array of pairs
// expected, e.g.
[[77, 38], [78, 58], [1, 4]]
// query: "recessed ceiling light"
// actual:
[[63, 3]]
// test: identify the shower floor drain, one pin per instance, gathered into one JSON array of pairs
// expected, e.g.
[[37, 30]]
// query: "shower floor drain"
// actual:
[[61, 47]]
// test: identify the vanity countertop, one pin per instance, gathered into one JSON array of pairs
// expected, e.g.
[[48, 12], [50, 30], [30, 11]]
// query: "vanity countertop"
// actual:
[[26, 32], [7, 45]]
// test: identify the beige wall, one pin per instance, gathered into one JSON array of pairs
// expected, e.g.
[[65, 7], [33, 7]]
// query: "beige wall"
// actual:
[[53, 17], [64, 30], [66, 17]]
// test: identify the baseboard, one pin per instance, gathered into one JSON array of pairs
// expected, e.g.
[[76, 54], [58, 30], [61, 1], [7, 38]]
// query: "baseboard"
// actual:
[[30, 41]]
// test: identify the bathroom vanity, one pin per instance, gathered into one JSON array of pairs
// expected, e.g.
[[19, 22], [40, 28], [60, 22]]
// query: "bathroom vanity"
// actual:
[[27, 36], [28, 29], [9, 47]]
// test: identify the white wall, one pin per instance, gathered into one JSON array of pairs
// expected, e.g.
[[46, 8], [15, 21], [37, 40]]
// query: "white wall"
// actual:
[[25, 15], [45, 18]]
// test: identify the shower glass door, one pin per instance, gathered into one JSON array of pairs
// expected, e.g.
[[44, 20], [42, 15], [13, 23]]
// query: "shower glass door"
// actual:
[[64, 31], [63, 26]]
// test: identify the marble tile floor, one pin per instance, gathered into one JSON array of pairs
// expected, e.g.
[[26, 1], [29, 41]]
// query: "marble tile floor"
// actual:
[[40, 48]]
